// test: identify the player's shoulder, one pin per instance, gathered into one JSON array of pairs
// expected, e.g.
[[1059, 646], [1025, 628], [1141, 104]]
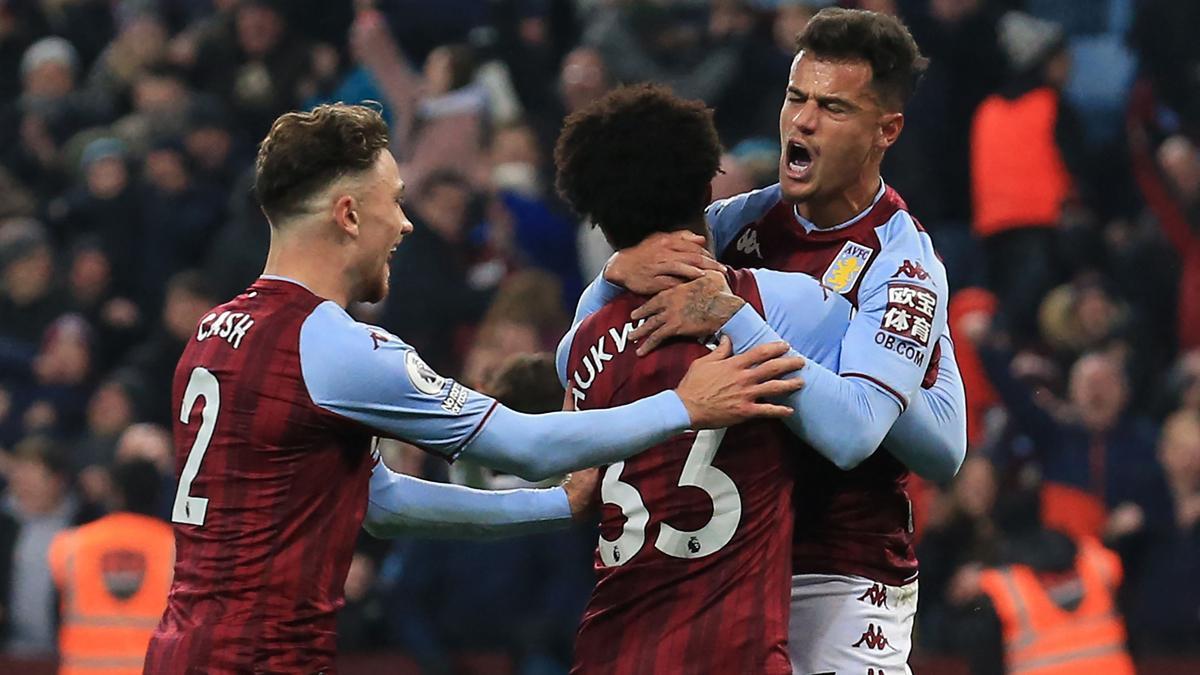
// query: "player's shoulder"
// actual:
[[742, 209], [330, 327], [906, 249]]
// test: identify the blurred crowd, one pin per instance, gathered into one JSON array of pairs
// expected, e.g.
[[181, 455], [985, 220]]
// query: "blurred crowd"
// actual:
[[127, 136]]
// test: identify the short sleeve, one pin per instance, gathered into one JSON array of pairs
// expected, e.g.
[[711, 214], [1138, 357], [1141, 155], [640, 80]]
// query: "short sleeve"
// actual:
[[366, 374]]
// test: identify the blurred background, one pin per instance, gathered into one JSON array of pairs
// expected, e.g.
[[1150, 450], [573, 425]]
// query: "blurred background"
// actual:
[[127, 135]]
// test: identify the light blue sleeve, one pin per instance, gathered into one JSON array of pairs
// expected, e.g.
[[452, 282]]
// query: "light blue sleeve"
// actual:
[[536, 447], [901, 316], [808, 316], [726, 217], [368, 375], [563, 354], [845, 412], [597, 294], [931, 436], [402, 505], [844, 419]]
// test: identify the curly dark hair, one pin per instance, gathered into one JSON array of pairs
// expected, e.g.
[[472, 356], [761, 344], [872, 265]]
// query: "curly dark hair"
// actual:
[[305, 151], [637, 161], [880, 40]]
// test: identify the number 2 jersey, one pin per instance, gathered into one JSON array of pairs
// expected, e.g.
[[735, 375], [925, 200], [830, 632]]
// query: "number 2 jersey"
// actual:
[[692, 563], [279, 394]]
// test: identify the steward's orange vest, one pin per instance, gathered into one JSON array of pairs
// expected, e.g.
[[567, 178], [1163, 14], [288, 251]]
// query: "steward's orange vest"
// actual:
[[113, 575], [1018, 178], [1041, 638]]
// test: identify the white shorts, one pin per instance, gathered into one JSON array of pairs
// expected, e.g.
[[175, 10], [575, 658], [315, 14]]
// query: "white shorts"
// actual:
[[850, 626]]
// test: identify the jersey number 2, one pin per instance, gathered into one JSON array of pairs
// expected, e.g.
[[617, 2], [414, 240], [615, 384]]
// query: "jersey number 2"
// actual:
[[190, 510], [698, 471]]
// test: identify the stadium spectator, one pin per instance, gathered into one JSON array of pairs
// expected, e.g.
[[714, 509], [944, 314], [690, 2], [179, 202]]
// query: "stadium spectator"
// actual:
[[103, 205], [184, 212], [446, 289], [115, 320], [217, 155], [35, 125], [40, 504], [971, 312], [1019, 197], [1161, 547], [526, 316], [140, 43], [522, 597], [1095, 453], [1049, 603], [252, 58], [113, 575], [113, 407], [1169, 56], [667, 43], [188, 296], [238, 249], [30, 295], [960, 533]]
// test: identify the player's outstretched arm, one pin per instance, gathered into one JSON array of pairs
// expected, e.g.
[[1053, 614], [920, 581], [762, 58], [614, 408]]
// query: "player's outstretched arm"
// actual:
[[865, 395], [930, 437], [718, 390], [367, 375], [402, 505]]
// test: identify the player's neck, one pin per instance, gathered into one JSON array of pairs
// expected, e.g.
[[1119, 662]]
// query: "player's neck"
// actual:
[[843, 206], [311, 263]]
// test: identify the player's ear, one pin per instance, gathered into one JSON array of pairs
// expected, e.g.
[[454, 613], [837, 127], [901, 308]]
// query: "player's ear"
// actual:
[[345, 214], [890, 126]]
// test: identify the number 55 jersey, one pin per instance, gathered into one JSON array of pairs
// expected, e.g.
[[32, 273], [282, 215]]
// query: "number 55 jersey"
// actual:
[[692, 564]]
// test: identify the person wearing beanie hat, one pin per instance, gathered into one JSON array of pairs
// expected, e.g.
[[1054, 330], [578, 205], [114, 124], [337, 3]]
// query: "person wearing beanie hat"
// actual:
[[49, 68], [29, 298], [1028, 41], [1018, 197]]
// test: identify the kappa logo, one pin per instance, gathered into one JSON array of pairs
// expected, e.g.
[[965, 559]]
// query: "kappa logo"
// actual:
[[912, 270], [422, 376], [847, 267], [875, 595], [378, 338], [872, 639], [748, 243]]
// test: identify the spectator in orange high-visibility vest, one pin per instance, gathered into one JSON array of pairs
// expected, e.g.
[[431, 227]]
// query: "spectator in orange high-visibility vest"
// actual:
[[1049, 607], [113, 576]]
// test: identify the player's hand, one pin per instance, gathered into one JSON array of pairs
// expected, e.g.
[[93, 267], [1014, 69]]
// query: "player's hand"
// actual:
[[695, 309], [661, 261], [581, 493], [720, 390]]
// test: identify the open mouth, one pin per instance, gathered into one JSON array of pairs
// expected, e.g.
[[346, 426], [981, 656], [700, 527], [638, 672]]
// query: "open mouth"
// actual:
[[799, 160]]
